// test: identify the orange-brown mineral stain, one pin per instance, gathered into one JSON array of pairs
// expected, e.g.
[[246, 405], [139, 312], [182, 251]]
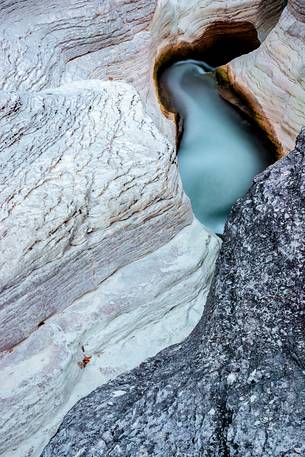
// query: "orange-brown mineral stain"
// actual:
[[85, 361]]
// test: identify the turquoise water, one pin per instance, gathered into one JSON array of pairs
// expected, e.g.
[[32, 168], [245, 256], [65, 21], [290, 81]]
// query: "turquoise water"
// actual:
[[220, 151]]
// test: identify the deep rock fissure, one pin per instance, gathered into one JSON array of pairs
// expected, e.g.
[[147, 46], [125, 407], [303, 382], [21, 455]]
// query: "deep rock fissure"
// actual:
[[220, 151], [230, 388], [221, 148]]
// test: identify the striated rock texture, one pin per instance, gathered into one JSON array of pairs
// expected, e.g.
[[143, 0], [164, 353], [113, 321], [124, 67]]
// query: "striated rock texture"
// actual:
[[89, 186], [91, 199], [41, 40], [236, 385], [273, 77], [297, 8], [139, 310], [79, 201]]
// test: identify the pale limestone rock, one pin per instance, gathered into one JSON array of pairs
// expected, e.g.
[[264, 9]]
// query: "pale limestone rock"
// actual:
[[39, 39], [139, 310], [274, 75], [91, 199], [88, 185], [187, 20]]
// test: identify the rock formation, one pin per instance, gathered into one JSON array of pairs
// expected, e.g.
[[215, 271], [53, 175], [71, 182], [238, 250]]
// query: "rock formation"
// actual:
[[90, 185], [236, 385], [91, 199], [273, 77]]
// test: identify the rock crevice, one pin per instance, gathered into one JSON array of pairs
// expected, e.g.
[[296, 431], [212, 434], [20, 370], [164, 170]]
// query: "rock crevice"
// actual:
[[236, 385], [90, 191]]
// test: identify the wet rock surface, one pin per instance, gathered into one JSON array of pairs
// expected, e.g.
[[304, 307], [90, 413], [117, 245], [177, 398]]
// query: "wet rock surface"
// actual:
[[235, 387]]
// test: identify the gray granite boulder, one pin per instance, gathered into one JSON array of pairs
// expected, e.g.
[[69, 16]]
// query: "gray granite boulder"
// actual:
[[236, 385]]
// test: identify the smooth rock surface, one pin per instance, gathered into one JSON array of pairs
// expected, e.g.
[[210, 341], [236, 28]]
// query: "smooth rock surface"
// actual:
[[273, 76], [142, 308], [236, 385], [88, 186]]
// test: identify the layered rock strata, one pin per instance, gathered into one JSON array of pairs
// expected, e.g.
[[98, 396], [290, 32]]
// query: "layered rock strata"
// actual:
[[272, 78], [236, 385], [89, 187], [79, 201], [140, 309]]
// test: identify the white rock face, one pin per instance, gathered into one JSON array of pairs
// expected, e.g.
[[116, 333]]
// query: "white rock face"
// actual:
[[90, 190], [186, 20], [274, 75], [100, 254], [89, 185], [41, 40], [140, 309]]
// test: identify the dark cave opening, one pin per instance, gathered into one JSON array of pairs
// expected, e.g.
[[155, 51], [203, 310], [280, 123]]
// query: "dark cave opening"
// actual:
[[219, 44]]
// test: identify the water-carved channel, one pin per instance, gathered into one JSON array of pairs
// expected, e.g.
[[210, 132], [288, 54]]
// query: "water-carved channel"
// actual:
[[220, 150]]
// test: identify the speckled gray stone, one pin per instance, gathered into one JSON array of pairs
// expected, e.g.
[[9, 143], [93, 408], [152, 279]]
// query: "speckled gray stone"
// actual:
[[236, 386]]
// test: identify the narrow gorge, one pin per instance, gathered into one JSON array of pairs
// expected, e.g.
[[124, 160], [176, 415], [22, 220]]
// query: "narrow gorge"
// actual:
[[132, 134]]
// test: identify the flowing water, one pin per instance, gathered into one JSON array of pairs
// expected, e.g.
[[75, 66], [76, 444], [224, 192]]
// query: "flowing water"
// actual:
[[220, 151]]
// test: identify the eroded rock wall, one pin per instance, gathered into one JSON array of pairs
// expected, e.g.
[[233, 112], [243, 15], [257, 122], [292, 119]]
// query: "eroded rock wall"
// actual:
[[272, 77], [139, 310], [236, 385], [90, 194], [89, 185]]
